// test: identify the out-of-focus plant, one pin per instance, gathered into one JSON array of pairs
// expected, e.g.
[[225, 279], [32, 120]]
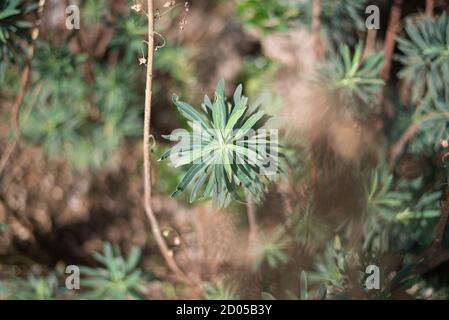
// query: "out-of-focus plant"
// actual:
[[222, 150], [219, 291], [425, 55], [66, 121], [332, 269], [340, 20], [59, 109], [305, 291], [272, 249], [3, 228], [383, 204], [432, 115], [269, 15], [14, 28], [93, 11], [256, 74], [402, 212], [381, 199], [355, 79], [33, 288], [119, 278]]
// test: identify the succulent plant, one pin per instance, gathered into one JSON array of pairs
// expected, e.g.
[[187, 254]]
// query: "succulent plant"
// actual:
[[356, 80], [14, 28], [226, 149], [120, 278], [425, 54]]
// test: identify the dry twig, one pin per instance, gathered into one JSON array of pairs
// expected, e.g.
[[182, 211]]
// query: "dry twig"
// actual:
[[390, 40], [435, 255], [252, 222], [155, 228], [316, 25], [25, 79], [430, 4]]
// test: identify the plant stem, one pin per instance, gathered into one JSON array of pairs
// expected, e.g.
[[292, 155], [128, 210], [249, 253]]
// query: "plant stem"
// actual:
[[399, 146], [390, 40], [24, 81], [370, 45], [316, 24], [156, 230], [252, 222], [430, 4], [435, 255]]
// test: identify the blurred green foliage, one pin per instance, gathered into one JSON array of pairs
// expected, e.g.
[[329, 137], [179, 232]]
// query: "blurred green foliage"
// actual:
[[269, 15], [356, 80], [67, 120], [425, 55], [118, 278], [271, 249], [88, 123], [399, 213], [14, 29], [341, 21], [219, 291], [33, 287]]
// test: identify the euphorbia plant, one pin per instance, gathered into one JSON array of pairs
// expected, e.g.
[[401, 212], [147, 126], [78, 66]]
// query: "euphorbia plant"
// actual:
[[227, 151]]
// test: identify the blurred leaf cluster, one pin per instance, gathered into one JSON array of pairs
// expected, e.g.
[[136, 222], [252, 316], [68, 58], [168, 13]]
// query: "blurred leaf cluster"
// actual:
[[269, 15], [219, 291], [15, 28], [399, 213], [355, 79], [425, 55], [341, 21], [67, 119], [119, 278]]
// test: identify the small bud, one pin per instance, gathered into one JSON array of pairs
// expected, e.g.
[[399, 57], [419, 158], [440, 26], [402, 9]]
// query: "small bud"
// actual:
[[169, 4], [142, 61], [444, 143], [177, 241], [182, 24], [137, 7], [165, 233], [157, 14]]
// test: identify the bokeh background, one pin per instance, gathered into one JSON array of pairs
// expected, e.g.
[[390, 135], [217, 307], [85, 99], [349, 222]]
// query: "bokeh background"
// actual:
[[355, 190]]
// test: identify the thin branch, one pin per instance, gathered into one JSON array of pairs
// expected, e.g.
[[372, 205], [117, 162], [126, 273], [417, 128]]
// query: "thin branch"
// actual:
[[434, 255], [430, 4], [399, 146], [390, 40], [316, 25], [155, 228], [408, 134], [159, 14], [252, 222], [24, 81], [370, 45]]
